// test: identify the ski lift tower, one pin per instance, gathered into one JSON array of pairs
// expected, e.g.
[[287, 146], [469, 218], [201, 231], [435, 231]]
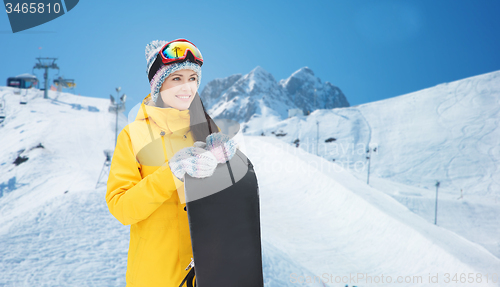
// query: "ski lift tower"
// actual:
[[105, 168], [46, 64], [117, 108]]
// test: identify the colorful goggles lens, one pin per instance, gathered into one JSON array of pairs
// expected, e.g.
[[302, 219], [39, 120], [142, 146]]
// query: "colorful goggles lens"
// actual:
[[177, 51]]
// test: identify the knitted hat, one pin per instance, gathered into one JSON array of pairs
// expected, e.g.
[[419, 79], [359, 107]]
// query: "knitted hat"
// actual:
[[152, 50]]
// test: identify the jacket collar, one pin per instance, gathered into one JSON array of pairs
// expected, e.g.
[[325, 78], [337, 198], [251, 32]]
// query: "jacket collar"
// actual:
[[168, 120]]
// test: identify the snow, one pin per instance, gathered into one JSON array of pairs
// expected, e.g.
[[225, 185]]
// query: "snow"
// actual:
[[333, 223], [321, 222], [55, 227], [448, 133]]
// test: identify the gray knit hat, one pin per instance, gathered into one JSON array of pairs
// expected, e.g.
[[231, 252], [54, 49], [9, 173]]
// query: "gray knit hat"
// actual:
[[152, 50]]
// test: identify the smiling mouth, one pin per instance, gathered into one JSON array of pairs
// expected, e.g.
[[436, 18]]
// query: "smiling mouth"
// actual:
[[184, 97]]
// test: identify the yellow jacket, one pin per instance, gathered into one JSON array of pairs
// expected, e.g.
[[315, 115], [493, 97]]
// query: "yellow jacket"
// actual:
[[142, 192]]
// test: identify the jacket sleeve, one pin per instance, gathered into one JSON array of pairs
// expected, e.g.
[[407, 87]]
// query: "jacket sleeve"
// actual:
[[131, 198]]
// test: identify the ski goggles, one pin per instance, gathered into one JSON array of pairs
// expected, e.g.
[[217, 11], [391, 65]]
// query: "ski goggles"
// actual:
[[176, 51]]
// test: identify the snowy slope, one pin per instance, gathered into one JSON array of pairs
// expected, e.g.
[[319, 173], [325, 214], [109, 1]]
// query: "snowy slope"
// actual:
[[317, 218], [55, 227], [336, 225], [448, 133], [474, 218], [69, 128]]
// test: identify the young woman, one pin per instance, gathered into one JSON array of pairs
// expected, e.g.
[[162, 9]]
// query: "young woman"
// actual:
[[145, 187]]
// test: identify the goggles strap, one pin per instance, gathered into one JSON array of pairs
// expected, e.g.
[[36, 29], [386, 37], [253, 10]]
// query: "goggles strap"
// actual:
[[155, 67], [158, 63]]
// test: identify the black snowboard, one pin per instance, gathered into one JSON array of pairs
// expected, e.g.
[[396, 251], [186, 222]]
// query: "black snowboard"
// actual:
[[224, 221]]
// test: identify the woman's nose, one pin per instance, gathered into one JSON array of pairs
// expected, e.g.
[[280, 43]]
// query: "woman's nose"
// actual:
[[185, 86]]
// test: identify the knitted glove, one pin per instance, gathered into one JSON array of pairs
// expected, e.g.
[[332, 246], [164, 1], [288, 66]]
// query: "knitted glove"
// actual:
[[200, 144], [194, 161], [221, 147]]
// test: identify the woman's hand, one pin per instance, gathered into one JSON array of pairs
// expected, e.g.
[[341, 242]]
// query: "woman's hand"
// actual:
[[194, 161], [221, 146]]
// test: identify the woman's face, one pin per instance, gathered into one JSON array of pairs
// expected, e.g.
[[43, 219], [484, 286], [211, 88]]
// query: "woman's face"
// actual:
[[178, 89]]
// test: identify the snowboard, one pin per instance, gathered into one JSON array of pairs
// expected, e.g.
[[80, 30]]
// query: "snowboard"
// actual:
[[224, 221]]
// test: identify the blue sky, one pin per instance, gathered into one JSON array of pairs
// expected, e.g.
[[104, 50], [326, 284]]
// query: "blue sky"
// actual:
[[371, 50]]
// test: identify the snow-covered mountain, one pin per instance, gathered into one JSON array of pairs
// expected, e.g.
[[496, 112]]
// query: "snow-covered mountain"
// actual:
[[308, 93], [322, 225], [448, 133], [214, 89], [258, 95]]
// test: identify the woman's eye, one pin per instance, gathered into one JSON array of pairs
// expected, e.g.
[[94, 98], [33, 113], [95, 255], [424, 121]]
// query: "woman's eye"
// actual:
[[176, 78], [193, 79]]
